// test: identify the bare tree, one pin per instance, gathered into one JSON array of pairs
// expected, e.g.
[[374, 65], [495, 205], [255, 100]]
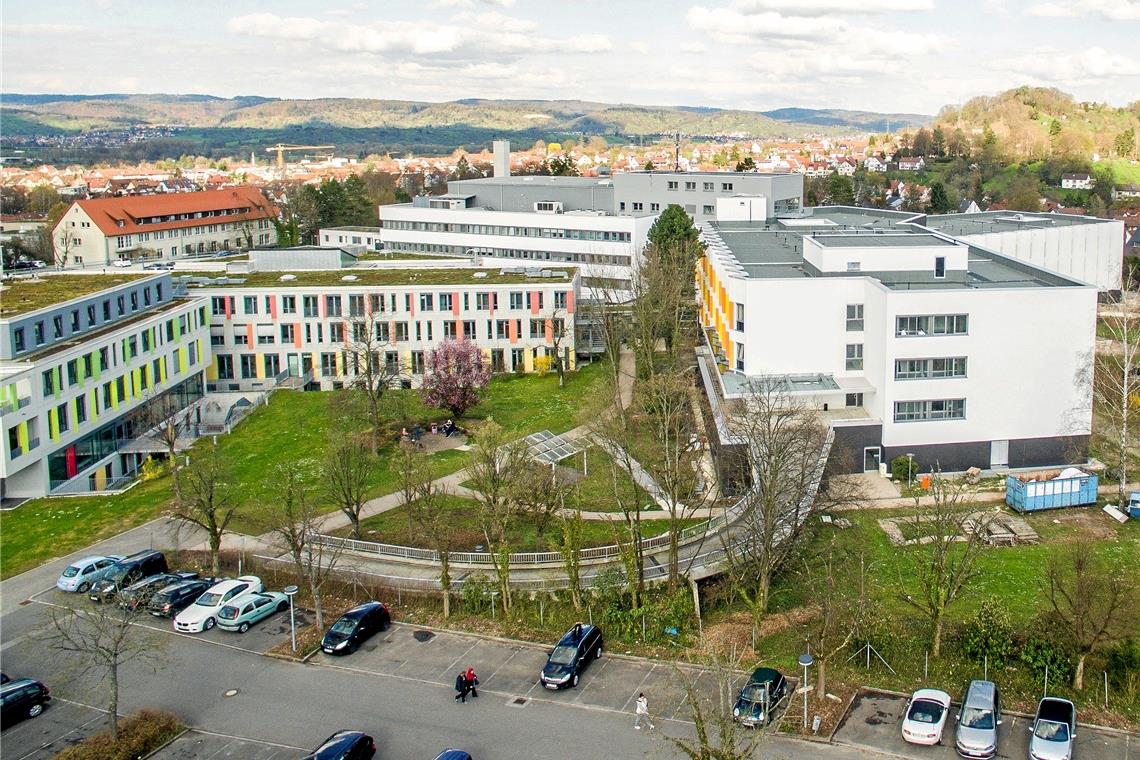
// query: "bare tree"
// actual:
[[783, 444], [162, 413], [347, 467], [370, 374], [1111, 379], [494, 466], [430, 512], [715, 735], [62, 243], [943, 564], [207, 498], [827, 583], [295, 521], [617, 438], [104, 638], [559, 333], [608, 316], [569, 546], [1089, 598], [539, 493]]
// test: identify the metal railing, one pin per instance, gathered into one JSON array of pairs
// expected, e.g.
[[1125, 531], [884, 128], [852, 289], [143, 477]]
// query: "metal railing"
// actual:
[[8, 406]]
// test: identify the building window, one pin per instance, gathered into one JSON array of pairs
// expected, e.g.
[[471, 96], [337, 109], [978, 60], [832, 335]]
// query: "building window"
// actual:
[[672, 185], [250, 304], [91, 315], [939, 266], [638, 206], [332, 306], [537, 328], [739, 357], [248, 366], [739, 309], [18, 339], [417, 362], [854, 356], [939, 324], [328, 365], [336, 332], [272, 365], [502, 329], [311, 306], [690, 186], [356, 306], [80, 409], [854, 317], [217, 340], [401, 331], [938, 409], [726, 187], [915, 369], [560, 299], [518, 361], [427, 302], [706, 209], [49, 382], [38, 332], [654, 206], [482, 301], [516, 299], [217, 305], [449, 330], [469, 329], [382, 332], [57, 327], [445, 302], [287, 333], [225, 367], [62, 419], [621, 207], [853, 399], [106, 311], [288, 304], [73, 372], [708, 187]]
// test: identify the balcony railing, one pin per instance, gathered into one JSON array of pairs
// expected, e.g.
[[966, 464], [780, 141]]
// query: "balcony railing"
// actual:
[[8, 406]]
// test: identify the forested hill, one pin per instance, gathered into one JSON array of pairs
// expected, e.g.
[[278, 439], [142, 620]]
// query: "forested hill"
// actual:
[[1036, 122], [55, 114]]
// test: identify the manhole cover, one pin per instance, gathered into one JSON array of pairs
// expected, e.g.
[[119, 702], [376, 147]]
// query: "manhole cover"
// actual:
[[231, 693], [422, 636], [518, 702]]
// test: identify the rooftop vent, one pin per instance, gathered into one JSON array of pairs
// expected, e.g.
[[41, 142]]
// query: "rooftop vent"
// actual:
[[287, 277], [349, 277], [478, 274]]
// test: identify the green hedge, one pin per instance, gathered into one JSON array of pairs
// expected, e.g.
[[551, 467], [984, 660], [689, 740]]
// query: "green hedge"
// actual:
[[139, 735]]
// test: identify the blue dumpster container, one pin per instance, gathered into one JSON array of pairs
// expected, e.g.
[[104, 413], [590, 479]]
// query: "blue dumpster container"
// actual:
[[1050, 494]]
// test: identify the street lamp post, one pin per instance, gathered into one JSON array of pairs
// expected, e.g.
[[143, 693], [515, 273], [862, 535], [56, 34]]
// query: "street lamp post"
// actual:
[[291, 591], [805, 662], [910, 470]]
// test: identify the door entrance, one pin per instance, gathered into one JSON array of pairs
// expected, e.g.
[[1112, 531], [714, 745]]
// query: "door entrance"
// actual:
[[294, 363], [999, 454], [872, 455]]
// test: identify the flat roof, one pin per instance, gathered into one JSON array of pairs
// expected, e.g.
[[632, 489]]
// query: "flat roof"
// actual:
[[765, 250], [351, 228], [867, 239], [375, 277], [530, 180], [1004, 221], [24, 295]]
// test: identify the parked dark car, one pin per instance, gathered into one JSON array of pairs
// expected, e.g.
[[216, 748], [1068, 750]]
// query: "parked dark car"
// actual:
[[173, 599], [22, 698], [126, 572], [758, 699], [344, 745], [138, 594], [581, 645], [454, 754], [355, 627]]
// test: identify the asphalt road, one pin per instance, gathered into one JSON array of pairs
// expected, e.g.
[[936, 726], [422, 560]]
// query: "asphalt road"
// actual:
[[293, 706]]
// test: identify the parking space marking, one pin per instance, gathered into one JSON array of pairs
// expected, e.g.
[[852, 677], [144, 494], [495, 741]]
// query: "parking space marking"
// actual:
[[457, 660], [66, 734], [637, 691], [247, 739], [496, 670], [594, 676]]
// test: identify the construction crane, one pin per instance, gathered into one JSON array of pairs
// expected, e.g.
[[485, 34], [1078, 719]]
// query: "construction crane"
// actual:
[[281, 148]]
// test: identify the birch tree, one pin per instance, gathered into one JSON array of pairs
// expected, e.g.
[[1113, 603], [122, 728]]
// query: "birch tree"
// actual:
[[370, 375], [494, 467], [347, 467], [1111, 377], [429, 511], [207, 499]]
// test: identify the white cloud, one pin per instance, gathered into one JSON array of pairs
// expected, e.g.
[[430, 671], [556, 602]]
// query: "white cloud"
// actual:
[[639, 47], [473, 3], [829, 7], [467, 36], [1115, 10], [692, 47], [41, 30], [1056, 66]]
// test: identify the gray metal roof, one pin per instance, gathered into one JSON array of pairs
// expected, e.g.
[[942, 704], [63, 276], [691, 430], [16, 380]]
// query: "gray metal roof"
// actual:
[[1004, 221]]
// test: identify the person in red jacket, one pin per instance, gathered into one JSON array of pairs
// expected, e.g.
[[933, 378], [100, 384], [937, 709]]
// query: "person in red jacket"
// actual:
[[472, 681]]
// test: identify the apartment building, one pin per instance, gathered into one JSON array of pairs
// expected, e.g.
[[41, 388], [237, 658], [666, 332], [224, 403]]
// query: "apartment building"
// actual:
[[697, 192], [366, 237], [319, 324], [1082, 247], [907, 340], [101, 231], [79, 355]]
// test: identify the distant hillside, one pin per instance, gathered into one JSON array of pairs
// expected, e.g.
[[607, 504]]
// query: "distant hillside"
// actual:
[[77, 113], [1038, 122], [863, 120]]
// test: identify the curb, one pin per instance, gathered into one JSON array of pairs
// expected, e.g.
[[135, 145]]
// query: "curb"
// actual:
[[185, 730]]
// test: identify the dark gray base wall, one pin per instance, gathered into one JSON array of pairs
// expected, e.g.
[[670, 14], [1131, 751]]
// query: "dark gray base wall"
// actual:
[[1024, 452], [847, 448]]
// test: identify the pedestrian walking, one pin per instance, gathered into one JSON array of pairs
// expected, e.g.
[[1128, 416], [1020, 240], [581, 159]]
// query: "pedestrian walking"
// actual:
[[472, 681], [642, 711], [461, 687]]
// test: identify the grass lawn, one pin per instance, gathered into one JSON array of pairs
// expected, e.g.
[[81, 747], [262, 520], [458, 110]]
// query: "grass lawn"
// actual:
[[1012, 574], [292, 422], [392, 527]]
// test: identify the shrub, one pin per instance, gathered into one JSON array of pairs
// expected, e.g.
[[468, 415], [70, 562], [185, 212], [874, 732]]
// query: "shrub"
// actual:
[[1044, 648], [139, 735], [1123, 663], [476, 594], [899, 468], [989, 634]]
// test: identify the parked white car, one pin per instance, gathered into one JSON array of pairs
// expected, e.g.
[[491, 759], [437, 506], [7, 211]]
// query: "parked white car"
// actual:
[[79, 575], [122, 263], [926, 716], [202, 615]]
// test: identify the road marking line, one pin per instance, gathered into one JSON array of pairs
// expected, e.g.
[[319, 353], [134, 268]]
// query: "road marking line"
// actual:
[[596, 675], [503, 665], [456, 660], [245, 739], [62, 736], [632, 696]]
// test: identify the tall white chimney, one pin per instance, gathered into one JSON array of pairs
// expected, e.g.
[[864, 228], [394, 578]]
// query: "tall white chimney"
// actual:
[[502, 160]]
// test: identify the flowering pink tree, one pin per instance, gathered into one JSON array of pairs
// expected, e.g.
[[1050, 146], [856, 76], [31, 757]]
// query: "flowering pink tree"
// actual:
[[455, 376]]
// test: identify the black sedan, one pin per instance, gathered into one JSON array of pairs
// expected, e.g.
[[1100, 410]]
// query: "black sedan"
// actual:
[[22, 698], [173, 599], [138, 595], [758, 699], [581, 645], [355, 627], [344, 745]]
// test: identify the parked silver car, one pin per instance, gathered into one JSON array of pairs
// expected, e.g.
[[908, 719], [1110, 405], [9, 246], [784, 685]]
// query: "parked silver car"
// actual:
[[978, 720], [1053, 731]]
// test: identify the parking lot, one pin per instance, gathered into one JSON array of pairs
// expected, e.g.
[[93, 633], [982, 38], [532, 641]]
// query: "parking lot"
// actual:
[[259, 639], [875, 722], [509, 671], [58, 727], [194, 745]]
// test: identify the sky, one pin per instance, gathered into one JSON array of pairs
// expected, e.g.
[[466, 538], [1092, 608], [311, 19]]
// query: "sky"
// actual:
[[909, 56]]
